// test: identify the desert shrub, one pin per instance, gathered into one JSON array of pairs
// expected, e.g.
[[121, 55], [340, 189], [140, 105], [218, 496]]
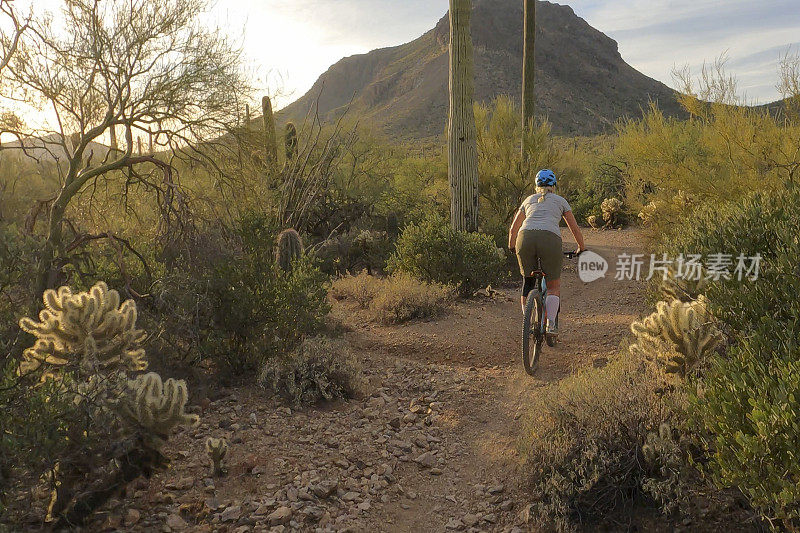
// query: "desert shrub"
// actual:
[[361, 288], [95, 421], [584, 441], [605, 181], [260, 312], [505, 179], [745, 410], [318, 369], [354, 251], [402, 297], [433, 251], [394, 299]]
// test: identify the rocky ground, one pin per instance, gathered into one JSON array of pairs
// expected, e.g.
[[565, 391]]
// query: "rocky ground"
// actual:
[[431, 446]]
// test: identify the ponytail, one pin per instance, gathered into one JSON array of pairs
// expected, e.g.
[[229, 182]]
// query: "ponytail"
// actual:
[[543, 191]]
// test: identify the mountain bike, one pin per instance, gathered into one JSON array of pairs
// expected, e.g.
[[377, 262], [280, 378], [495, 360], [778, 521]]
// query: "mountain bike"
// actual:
[[534, 321]]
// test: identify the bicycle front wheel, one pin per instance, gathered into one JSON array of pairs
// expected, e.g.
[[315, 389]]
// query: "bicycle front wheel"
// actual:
[[532, 336]]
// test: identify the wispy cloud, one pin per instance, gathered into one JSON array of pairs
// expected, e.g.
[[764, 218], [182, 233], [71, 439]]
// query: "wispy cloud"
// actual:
[[656, 35]]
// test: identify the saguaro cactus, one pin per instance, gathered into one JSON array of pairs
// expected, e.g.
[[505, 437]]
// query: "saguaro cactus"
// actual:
[[528, 64], [289, 249], [290, 139], [461, 136], [270, 138]]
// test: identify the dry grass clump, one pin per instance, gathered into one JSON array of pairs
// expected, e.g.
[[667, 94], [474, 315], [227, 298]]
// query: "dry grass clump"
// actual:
[[397, 298], [584, 441], [361, 289]]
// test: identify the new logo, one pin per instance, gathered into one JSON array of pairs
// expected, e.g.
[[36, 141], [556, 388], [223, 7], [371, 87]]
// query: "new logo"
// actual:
[[591, 266]]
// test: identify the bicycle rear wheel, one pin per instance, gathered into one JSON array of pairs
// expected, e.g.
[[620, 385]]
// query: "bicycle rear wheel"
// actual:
[[532, 336]]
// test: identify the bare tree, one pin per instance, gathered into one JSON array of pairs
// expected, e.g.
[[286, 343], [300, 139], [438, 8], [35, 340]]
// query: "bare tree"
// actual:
[[17, 26], [147, 67]]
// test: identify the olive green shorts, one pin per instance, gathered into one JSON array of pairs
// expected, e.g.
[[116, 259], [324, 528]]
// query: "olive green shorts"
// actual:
[[539, 250]]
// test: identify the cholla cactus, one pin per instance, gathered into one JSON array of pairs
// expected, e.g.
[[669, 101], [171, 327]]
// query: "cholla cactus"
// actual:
[[650, 212], [155, 408], [290, 140], [612, 211], [593, 221], [678, 335], [289, 249], [217, 449], [681, 288], [88, 329]]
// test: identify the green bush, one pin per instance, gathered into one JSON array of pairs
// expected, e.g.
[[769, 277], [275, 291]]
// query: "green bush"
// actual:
[[606, 181], [433, 251], [584, 443], [260, 312], [319, 369], [747, 408]]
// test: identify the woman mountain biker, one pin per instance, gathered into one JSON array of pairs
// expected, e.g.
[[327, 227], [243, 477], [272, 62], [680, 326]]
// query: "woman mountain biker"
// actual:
[[536, 237]]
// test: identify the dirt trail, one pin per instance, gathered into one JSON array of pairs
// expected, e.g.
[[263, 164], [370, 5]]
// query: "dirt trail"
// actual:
[[480, 342], [432, 446]]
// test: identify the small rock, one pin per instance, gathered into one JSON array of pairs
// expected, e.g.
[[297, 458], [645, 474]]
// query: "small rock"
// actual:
[[351, 496], [176, 523], [231, 514], [280, 516], [324, 489], [470, 520], [132, 516], [507, 505], [426, 460], [363, 506], [436, 471], [496, 489], [454, 524]]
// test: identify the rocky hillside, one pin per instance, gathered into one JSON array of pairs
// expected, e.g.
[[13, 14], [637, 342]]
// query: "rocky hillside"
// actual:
[[583, 84]]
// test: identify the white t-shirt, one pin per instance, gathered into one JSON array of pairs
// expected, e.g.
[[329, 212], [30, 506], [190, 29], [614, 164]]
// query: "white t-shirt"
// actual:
[[544, 215]]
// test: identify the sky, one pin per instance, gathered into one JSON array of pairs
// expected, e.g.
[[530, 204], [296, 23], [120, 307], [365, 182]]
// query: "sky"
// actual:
[[289, 43], [300, 39]]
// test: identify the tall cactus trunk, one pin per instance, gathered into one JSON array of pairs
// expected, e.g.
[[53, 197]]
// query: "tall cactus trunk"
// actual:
[[461, 136], [270, 138], [528, 65]]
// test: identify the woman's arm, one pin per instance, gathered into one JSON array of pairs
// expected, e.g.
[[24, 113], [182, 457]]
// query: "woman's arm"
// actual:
[[569, 218], [512, 232]]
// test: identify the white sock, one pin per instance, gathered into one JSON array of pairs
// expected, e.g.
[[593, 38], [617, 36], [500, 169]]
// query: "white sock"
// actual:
[[551, 303]]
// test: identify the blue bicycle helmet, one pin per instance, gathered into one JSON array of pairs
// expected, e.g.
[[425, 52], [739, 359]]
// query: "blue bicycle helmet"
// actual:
[[545, 178]]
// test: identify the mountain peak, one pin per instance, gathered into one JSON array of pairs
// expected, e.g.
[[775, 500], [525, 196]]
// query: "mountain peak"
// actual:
[[583, 86]]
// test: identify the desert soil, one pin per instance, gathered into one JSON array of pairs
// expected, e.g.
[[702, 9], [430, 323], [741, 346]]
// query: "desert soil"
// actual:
[[432, 445]]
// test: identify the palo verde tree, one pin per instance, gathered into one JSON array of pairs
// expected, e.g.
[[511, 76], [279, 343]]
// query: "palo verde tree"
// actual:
[[461, 144], [142, 67], [12, 29], [528, 65]]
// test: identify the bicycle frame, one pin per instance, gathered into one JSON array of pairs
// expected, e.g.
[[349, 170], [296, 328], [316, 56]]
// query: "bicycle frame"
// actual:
[[535, 305]]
